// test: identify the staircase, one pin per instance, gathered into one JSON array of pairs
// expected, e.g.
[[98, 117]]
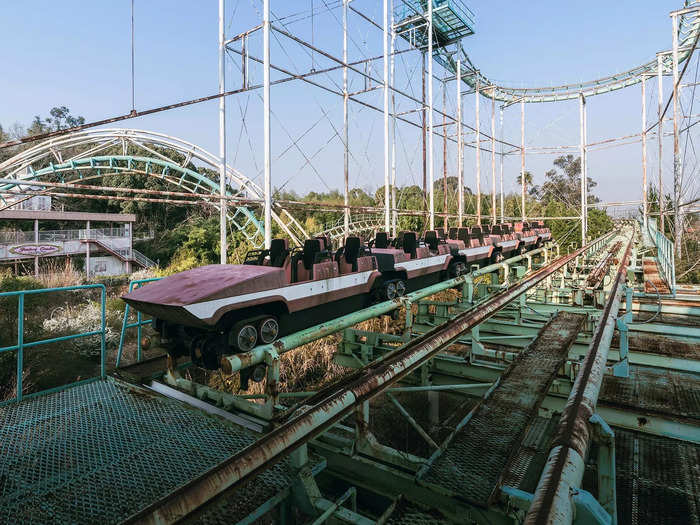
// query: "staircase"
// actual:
[[124, 254]]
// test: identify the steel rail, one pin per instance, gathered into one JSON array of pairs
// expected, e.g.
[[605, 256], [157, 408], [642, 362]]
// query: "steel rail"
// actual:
[[563, 472], [689, 30], [334, 403]]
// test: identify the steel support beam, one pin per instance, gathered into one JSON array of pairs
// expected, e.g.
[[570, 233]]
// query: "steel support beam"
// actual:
[[222, 135], [660, 136], [346, 145], [460, 146], [645, 191], [266, 124], [385, 42], [431, 163], [584, 181], [478, 153], [677, 218], [522, 159], [493, 156]]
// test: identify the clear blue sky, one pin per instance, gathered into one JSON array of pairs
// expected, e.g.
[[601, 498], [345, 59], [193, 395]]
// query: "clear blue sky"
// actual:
[[77, 54]]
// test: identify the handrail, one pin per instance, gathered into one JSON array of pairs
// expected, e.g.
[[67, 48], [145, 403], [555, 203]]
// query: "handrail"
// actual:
[[665, 255], [21, 345], [59, 235], [138, 324]]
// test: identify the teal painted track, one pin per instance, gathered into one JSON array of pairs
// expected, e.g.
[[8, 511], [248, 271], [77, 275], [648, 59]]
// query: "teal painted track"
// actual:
[[75, 170], [688, 31]]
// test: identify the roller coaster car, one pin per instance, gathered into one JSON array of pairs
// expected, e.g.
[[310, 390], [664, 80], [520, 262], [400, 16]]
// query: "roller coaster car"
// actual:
[[477, 249], [221, 309], [505, 241], [542, 231], [527, 236], [412, 264]]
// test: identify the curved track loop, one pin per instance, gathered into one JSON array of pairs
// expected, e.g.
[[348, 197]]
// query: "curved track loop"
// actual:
[[358, 224], [85, 150], [688, 30]]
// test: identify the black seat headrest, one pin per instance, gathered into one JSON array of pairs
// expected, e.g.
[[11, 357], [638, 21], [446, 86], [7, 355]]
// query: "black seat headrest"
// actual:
[[381, 240], [311, 248], [476, 234], [485, 229], [278, 252], [352, 250], [431, 239], [505, 228], [409, 243], [463, 234], [453, 234], [496, 229]]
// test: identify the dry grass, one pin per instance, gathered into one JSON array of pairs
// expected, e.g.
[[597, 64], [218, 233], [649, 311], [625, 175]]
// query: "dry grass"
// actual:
[[8, 390], [309, 367]]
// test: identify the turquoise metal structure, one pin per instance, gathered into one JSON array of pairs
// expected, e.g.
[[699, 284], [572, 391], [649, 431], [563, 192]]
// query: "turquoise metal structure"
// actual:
[[150, 153], [22, 344], [412, 26]]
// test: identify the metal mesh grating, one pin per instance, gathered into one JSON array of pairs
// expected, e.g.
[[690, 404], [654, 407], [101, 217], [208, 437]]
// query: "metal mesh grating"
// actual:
[[524, 470], [472, 464], [653, 389], [658, 479], [99, 452]]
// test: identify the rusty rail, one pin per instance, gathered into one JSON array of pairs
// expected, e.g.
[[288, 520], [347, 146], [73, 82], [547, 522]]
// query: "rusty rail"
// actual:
[[601, 269], [333, 404], [563, 472]]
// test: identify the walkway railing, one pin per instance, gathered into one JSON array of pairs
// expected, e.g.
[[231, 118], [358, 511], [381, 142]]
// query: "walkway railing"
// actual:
[[60, 235], [664, 255], [21, 344], [139, 324]]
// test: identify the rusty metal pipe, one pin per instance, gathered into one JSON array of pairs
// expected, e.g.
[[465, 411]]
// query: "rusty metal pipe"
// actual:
[[332, 404], [564, 469]]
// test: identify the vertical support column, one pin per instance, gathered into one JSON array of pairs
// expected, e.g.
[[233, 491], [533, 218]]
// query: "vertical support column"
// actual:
[[502, 155], [266, 122], [460, 146], [222, 135], [582, 118], [660, 137], [36, 244], [425, 137], [430, 116], [493, 155], [433, 408], [522, 158], [677, 219], [387, 217], [129, 230], [444, 153], [346, 145], [644, 152], [87, 249], [395, 213], [478, 152]]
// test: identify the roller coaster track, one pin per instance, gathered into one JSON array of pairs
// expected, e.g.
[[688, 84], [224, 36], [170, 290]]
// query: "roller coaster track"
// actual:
[[69, 157], [358, 224], [688, 32]]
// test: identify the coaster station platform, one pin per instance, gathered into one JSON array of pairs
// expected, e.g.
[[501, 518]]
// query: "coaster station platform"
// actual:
[[464, 415]]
